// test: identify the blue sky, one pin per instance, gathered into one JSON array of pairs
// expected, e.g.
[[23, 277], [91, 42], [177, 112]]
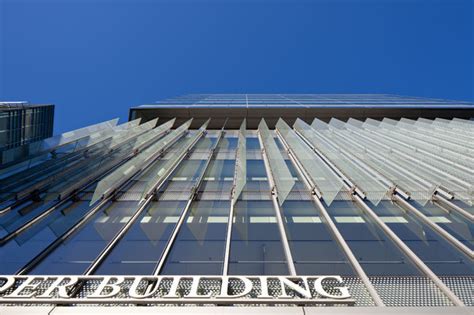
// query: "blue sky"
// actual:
[[95, 59]]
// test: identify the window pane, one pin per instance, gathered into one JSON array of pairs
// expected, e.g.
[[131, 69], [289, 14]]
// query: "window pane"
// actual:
[[256, 247], [199, 246]]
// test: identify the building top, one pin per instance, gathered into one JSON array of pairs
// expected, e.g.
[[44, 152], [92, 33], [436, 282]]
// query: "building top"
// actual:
[[306, 100], [7, 105], [234, 107]]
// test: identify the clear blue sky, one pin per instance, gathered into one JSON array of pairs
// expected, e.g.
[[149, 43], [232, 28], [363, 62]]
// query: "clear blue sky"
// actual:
[[96, 58]]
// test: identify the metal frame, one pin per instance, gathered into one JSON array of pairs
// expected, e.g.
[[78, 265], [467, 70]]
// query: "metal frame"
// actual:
[[76, 158], [339, 238], [454, 207], [401, 153], [177, 227], [276, 206], [38, 258], [230, 221], [395, 148], [442, 232], [70, 195], [415, 259], [396, 192], [332, 166], [142, 205]]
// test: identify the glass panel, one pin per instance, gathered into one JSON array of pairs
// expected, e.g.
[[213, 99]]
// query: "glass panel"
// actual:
[[327, 182], [49, 144], [172, 159], [456, 225], [256, 247], [75, 255], [24, 247], [241, 162], [149, 234], [376, 253], [199, 246], [217, 182], [16, 218], [440, 256], [127, 170], [373, 189], [385, 163], [131, 132], [145, 138], [284, 181], [313, 248], [140, 249], [449, 170]]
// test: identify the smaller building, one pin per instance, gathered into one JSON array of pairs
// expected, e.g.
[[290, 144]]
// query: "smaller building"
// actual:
[[22, 123]]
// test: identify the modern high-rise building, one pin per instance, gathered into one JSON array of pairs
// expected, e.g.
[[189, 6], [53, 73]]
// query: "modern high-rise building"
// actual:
[[22, 123], [247, 204]]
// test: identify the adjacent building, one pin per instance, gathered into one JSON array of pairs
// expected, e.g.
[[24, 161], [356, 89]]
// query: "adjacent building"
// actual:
[[22, 123], [281, 203]]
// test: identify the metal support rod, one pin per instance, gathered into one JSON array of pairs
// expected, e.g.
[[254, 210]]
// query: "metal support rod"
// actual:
[[413, 257], [31, 222], [332, 166], [276, 205], [427, 221], [454, 207], [359, 163], [402, 168], [230, 220], [58, 204], [40, 186], [395, 148], [182, 217], [142, 206], [38, 258], [454, 241], [339, 238]]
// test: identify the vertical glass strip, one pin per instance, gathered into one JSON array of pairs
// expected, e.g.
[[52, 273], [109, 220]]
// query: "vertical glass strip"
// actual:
[[241, 162], [124, 172], [373, 189], [171, 161], [328, 183], [284, 181]]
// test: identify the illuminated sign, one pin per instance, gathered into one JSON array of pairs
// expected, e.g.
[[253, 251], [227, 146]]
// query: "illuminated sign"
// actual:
[[219, 290]]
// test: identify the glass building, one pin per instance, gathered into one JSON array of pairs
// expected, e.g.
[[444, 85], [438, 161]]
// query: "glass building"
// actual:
[[21, 124], [376, 189]]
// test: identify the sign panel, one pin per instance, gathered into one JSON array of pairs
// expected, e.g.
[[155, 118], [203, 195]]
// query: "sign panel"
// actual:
[[219, 290]]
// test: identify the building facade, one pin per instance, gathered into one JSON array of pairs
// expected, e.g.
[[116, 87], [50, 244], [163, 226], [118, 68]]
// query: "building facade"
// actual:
[[22, 123], [247, 204]]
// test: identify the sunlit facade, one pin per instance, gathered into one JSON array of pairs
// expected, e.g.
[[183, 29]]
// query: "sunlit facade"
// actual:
[[255, 185]]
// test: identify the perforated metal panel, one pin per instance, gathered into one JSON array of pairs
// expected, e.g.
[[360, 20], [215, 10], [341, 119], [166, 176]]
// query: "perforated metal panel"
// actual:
[[409, 291], [463, 287]]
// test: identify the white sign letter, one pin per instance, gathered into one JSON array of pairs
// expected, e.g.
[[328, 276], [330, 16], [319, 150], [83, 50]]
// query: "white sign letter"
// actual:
[[318, 286], [149, 290], [10, 280], [285, 282], [62, 289], [105, 284], [27, 284], [225, 287]]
